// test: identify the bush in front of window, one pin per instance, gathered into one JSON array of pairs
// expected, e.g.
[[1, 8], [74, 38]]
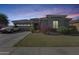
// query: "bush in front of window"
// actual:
[[67, 30], [73, 29], [63, 30]]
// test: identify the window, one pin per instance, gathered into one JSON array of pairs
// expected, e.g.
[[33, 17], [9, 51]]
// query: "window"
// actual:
[[55, 24]]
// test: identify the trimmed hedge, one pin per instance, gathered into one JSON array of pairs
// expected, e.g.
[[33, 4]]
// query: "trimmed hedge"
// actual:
[[67, 30]]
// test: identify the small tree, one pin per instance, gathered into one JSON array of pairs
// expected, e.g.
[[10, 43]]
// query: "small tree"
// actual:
[[3, 19]]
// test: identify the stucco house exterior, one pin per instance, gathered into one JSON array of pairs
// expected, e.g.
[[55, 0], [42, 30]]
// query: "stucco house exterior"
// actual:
[[45, 23], [75, 23], [50, 22], [24, 24]]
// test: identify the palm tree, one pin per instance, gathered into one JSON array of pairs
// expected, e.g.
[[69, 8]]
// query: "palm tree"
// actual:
[[3, 19]]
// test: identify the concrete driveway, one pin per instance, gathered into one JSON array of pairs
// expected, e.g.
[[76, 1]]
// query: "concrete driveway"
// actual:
[[8, 40]]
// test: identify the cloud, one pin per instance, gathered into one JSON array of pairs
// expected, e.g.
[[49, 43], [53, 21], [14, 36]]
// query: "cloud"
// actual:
[[40, 13], [37, 11], [73, 15]]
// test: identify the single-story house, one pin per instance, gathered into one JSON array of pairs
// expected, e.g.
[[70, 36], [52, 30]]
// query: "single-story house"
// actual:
[[24, 24], [75, 23], [44, 24], [50, 22]]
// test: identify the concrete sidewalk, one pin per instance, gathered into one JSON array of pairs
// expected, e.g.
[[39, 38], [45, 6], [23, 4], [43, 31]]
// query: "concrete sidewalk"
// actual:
[[46, 51], [40, 51]]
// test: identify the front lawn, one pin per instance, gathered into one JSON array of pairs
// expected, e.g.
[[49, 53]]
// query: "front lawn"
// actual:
[[42, 40]]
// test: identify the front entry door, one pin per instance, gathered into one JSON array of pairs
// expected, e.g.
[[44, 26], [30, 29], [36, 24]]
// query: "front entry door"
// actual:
[[36, 26]]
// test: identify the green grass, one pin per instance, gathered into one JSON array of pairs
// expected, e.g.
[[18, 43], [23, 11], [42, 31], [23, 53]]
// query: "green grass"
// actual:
[[42, 40]]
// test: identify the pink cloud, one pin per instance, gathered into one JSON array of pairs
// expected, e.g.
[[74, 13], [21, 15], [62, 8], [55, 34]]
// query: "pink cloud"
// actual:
[[73, 15]]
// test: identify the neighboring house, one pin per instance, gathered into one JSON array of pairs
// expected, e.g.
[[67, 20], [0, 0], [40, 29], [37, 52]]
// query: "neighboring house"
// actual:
[[75, 23], [44, 24], [24, 25]]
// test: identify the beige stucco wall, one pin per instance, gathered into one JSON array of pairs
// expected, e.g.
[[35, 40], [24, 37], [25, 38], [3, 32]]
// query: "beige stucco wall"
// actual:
[[77, 25]]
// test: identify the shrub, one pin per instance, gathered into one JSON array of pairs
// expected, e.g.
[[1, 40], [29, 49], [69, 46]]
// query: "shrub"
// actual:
[[64, 30], [67, 30], [72, 29]]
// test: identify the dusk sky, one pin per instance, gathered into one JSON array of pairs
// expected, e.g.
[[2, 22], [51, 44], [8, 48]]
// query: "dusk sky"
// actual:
[[28, 11]]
